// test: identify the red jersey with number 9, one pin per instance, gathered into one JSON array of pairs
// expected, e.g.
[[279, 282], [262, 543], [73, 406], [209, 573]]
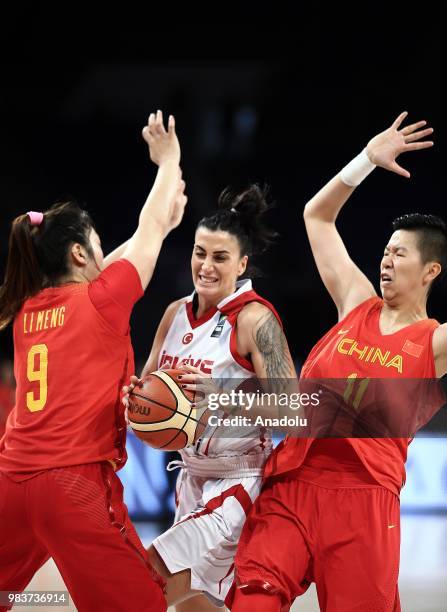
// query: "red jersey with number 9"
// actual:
[[70, 364], [355, 348]]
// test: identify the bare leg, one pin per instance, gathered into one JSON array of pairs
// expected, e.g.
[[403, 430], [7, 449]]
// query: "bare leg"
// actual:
[[198, 603], [178, 586]]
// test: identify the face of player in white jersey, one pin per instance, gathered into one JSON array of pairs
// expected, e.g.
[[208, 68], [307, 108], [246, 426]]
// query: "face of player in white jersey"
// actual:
[[216, 264], [403, 275]]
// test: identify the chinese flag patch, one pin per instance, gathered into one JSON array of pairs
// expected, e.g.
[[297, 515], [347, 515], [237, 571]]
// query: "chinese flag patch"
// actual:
[[412, 349]]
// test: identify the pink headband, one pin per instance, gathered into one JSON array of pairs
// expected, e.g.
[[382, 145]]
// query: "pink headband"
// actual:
[[36, 218]]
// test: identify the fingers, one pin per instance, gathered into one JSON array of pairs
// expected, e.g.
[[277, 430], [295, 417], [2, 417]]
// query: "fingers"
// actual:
[[399, 170], [400, 118], [408, 129], [154, 126], [159, 128], [189, 387], [416, 146], [190, 368], [187, 378], [151, 122], [134, 382], [418, 135], [171, 124]]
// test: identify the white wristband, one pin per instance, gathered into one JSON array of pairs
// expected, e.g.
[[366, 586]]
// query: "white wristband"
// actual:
[[357, 170]]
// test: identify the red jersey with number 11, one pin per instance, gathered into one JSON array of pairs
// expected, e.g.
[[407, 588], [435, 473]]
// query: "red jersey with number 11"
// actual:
[[355, 348]]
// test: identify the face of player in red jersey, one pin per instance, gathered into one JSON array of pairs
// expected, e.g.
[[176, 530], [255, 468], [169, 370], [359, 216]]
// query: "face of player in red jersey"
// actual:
[[216, 264], [402, 273]]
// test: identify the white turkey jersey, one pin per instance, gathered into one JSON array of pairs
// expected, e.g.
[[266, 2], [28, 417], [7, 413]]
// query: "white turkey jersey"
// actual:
[[209, 343]]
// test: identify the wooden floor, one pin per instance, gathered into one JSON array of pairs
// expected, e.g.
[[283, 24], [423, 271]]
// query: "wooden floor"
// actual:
[[423, 575]]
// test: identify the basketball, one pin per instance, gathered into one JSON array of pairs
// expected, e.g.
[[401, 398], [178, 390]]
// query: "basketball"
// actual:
[[160, 412]]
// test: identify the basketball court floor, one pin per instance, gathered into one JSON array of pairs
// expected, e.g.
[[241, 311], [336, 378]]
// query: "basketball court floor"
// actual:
[[423, 575]]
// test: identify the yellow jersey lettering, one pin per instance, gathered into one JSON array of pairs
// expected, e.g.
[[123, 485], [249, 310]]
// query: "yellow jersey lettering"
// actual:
[[354, 349], [396, 362], [61, 319], [372, 354], [39, 322], [380, 356], [44, 319], [342, 344], [54, 314]]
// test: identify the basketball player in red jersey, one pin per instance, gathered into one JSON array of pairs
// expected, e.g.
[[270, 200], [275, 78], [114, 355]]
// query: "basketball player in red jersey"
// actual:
[[226, 330], [59, 495], [331, 506]]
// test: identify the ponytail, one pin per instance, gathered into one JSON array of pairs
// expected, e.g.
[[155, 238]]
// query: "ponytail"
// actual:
[[242, 215], [38, 253]]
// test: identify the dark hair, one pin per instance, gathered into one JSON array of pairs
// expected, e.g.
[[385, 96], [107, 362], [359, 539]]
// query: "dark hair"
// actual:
[[241, 215], [37, 255], [432, 236]]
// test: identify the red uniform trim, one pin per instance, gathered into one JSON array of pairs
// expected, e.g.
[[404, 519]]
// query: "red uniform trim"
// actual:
[[203, 319], [232, 310], [236, 491]]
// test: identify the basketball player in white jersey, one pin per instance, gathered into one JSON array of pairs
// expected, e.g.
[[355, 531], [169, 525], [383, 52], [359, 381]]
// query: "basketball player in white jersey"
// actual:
[[226, 330]]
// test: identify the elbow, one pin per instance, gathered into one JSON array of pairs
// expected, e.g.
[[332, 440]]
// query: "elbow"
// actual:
[[307, 211]]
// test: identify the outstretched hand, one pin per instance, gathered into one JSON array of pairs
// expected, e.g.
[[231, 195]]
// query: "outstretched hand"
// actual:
[[163, 145], [384, 148]]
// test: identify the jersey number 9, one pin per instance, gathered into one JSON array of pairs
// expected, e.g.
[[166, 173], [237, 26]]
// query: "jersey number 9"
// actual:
[[40, 375]]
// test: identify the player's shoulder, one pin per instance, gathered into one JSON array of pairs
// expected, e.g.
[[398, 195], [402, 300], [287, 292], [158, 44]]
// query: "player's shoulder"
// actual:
[[172, 309], [439, 343], [254, 313], [440, 338], [175, 305]]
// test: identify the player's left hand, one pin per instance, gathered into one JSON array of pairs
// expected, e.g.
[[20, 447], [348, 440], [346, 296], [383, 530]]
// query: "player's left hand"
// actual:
[[202, 384], [193, 377]]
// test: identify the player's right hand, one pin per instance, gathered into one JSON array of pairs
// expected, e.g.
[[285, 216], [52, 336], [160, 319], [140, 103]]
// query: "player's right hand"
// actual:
[[126, 389], [384, 148], [163, 145]]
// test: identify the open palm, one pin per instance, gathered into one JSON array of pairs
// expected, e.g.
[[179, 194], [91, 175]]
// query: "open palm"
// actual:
[[384, 148]]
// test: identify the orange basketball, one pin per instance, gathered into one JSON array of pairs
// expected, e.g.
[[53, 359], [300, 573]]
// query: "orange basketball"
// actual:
[[160, 412]]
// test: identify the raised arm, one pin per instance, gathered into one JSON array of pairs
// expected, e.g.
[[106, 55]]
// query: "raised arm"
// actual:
[[163, 209], [346, 283]]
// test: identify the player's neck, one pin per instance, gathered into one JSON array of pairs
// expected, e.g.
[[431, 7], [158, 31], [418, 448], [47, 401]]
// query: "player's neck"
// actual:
[[204, 305], [396, 315], [69, 278]]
